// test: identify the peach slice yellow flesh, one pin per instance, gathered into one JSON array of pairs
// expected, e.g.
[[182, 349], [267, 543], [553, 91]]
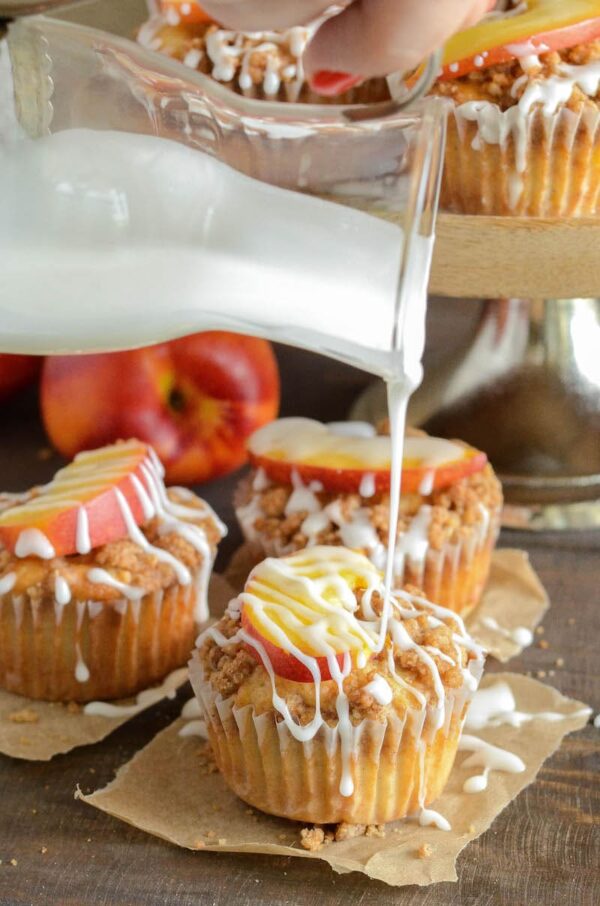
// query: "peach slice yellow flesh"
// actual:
[[79, 509], [312, 452], [281, 619], [538, 17]]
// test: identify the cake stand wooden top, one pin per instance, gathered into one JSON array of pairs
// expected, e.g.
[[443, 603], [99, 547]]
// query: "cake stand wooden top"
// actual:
[[521, 257]]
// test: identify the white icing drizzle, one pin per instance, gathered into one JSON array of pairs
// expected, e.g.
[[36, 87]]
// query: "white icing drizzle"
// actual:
[[488, 757], [367, 485], [194, 728], [495, 706], [597, 722], [7, 583], [426, 486], [102, 577], [303, 498], [143, 700], [309, 597], [380, 689], [82, 674], [427, 817], [62, 591], [352, 429], [82, 536], [192, 710], [521, 635], [33, 543]]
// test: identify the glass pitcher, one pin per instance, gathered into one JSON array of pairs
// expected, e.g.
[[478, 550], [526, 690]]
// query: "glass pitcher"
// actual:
[[146, 201]]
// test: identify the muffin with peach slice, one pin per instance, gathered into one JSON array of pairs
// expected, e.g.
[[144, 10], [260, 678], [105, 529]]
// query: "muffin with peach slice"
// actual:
[[328, 700], [317, 484], [103, 578], [262, 65], [524, 124]]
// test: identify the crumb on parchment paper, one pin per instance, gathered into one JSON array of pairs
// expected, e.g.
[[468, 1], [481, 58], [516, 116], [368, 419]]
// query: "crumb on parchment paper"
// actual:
[[314, 838], [24, 716], [425, 851]]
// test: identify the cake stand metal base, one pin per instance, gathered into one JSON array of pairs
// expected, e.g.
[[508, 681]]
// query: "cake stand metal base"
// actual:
[[526, 389]]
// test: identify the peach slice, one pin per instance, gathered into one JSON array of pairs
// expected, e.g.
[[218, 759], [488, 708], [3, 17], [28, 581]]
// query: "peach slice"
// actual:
[[341, 461], [281, 611], [79, 509], [188, 11]]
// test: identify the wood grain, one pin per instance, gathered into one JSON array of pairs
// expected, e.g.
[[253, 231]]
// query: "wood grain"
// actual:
[[505, 257], [544, 850]]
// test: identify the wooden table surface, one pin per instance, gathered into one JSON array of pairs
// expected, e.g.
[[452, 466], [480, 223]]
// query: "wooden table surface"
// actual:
[[544, 850]]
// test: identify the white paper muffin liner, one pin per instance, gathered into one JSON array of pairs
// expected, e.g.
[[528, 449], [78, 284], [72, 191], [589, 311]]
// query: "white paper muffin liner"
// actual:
[[87, 650], [397, 766], [511, 163]]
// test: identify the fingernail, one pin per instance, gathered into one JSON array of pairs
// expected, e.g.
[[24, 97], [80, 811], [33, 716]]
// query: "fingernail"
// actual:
[[330, 84]]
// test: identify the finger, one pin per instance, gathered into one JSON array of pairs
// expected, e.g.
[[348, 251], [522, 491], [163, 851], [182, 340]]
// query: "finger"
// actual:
[[377, 37], [255, 15]]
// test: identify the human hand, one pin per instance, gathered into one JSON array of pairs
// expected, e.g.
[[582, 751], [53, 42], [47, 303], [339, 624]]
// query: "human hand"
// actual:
[[368, 38]]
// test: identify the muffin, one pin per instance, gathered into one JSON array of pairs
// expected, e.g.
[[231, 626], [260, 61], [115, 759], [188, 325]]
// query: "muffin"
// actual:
[[325, 705], [524, 132], [103, 578], [316, 484], [262, 65]]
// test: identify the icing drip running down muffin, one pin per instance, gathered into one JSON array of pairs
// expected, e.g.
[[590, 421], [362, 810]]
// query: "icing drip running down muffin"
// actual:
[[103, 578], [324, 701], [524, 127], [261, 65], [317, 484]]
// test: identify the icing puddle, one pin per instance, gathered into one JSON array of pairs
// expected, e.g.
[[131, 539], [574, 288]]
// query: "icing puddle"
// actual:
[[514, 715]]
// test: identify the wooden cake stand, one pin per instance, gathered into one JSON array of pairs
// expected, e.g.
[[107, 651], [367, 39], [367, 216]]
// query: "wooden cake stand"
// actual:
[[526, 389]]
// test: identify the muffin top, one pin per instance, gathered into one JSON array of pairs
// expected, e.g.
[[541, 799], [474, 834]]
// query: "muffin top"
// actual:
[[153, 538], [313, 640], [317, 484], [245, 60], [534, 75]]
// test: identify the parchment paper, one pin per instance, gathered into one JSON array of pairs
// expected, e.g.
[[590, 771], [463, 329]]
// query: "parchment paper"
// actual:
[[514, 597], [37, 731], [166, 791]]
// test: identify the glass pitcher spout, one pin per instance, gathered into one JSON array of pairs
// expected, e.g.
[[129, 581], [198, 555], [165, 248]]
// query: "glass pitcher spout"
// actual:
[[148, 201]]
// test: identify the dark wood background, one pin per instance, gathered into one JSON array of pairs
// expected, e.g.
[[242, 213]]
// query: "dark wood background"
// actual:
[[544, 850]]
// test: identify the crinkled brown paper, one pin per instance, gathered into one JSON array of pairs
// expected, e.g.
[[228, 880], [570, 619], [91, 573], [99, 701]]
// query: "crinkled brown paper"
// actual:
[[514, 597], [37, 731], [163, 791]]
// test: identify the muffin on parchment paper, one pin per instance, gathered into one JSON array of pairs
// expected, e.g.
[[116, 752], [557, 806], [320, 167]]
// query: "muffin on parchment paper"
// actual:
[[326, 703], [103, 578]]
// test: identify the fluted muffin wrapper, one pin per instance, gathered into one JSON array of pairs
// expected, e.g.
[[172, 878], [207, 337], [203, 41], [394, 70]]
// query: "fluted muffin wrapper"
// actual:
[[535, 164], [87, 650], [453, 576], [397, 766], [456, 574]]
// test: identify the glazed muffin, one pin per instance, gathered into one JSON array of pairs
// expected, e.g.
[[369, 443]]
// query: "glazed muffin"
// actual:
[[524, 125], [103, 578], [261, 65], [323, 703], [316, 484]]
